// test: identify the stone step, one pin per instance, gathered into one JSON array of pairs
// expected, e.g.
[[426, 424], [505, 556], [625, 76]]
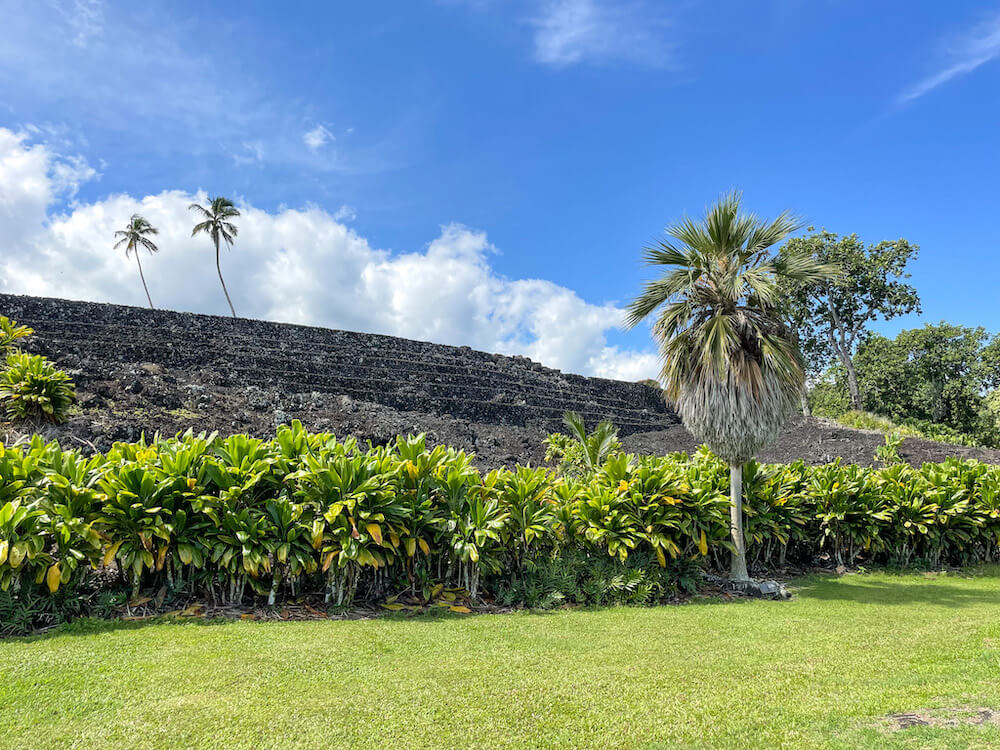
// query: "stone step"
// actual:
[[497, 413], [510, 395], [187, 344], [389, 347], [401, 373], [320, 374]]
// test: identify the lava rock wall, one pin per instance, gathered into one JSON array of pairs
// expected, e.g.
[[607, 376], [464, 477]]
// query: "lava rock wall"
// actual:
[[399, 373]]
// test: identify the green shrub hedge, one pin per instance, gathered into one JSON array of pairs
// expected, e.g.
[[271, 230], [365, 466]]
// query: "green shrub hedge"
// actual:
[[230, 518]]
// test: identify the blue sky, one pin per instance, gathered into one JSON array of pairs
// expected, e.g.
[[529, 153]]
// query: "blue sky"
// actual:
[[533, 139]]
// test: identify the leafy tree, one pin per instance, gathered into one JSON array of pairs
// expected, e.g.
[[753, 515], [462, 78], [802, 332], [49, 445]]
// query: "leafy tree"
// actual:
[[731, 364], [939, 373], [136, 236], [830, 317], [991, 407], [217, 224]]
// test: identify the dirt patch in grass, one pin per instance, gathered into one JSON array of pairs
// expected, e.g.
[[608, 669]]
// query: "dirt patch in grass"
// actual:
[[942, 717]]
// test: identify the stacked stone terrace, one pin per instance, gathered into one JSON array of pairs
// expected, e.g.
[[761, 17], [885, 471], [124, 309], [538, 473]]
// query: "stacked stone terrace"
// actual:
[[400, 373]]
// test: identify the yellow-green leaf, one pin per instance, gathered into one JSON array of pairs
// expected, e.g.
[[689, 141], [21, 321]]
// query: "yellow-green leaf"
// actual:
[[460, 608], [4, 546], [15, 556], [703, 544], [328, 560], [424, 547], [376, 532]]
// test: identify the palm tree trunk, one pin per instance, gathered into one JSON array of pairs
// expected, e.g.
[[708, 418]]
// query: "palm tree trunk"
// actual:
[[738, 571], [222, 281], [150, 299]]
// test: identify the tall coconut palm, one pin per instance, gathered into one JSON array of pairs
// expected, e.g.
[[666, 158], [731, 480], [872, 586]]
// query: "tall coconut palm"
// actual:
[[730, 364], [134, 237], [217, 225]]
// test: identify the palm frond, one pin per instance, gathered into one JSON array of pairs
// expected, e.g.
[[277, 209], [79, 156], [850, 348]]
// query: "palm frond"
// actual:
[[205, 226], [575, 424], [216, 220], [135, 235]]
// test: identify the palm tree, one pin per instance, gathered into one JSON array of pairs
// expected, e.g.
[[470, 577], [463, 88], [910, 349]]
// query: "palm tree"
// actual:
[[135, 236], [218, 226], [730, 364]]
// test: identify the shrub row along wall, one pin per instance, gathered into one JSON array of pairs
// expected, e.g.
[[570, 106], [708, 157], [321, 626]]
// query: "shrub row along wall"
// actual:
[[238, 517], [404, 374]]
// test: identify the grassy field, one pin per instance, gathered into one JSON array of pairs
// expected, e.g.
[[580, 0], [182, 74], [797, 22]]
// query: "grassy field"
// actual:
[[817, 672]]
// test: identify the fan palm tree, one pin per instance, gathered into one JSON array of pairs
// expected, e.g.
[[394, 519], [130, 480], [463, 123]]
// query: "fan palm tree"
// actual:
[[135, 236], [730, 365], [217, 224]]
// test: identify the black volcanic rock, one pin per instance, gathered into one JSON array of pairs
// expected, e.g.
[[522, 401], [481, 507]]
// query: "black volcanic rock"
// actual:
[[145, 371]]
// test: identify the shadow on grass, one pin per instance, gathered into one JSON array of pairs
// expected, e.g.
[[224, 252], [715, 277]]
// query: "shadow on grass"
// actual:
[[931, 590], [878, 589], [95, 626], [84, 626]]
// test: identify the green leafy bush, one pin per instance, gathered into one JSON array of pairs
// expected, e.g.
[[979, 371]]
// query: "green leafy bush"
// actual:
[[31, 387], [888, 454], [10, 334], [862, 420], [227, 519], [828, 399], [581, 452], [576, 577]]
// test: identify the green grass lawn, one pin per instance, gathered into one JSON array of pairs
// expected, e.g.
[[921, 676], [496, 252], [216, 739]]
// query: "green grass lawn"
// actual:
[[815, 672]]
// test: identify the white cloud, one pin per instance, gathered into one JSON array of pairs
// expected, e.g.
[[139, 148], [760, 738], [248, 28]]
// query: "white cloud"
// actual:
[[318, 137], [345, 213], [600, 31], [962, 54], [84, 17], [252, 153], [32, 178], [293, 265]]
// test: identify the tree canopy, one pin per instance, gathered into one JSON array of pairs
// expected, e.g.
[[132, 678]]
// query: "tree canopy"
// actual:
[[831, 316], [940, 374]]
